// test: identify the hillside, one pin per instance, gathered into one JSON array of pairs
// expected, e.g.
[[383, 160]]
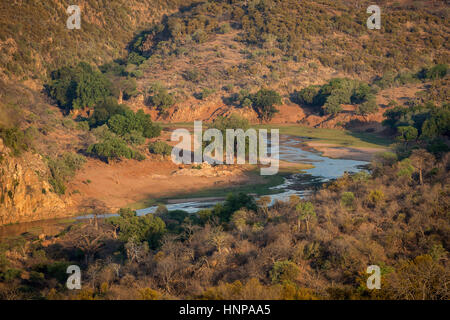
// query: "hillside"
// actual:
[[87, 115]]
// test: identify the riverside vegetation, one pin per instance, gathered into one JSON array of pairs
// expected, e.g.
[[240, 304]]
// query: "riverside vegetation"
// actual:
[[96, 95]]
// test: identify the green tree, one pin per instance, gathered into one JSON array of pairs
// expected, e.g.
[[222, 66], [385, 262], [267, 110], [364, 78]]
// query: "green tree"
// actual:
[[305, 211], [78, 87], [145, 228], [332, 106], [284, 271], [308, 95], [421, 159], [367, 107], [348, 200], [264, 102], [160, 147], [407, 134]]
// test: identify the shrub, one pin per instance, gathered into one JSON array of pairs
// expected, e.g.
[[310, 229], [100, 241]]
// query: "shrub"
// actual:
[[436, 72], [62, 169], [134, 137], [113, 148], [192, 75], [284, 271], [160, 99], [135, 58], [200, 36], [205, 93], [264, 102], [16, 139], [78, 87], [367, 107], [375, 196], [348, 200], [224, 28], [146, 228], [387, 158], [160, 147], [405, 168]]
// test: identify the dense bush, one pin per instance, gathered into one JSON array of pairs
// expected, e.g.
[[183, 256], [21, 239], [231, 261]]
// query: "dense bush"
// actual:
[[329, 97], [146, 228], [78, 87], [113, 148], [438, 71], [16, 139], [160, 98], [62, 169], [264, 102], [160, 147], [122, 124]]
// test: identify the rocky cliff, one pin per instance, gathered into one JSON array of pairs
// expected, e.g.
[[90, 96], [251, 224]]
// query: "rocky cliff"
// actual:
[[24, 191]]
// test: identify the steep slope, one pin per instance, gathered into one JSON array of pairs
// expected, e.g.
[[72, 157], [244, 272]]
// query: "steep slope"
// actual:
[[34, 37], [24, 191]]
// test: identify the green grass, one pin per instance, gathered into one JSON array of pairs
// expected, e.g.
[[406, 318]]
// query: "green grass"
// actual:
[[344, 138], [259, 189], [253, 188], [144, 204]]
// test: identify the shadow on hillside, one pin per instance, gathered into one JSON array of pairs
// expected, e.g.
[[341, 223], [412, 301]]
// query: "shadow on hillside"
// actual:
[[371, 137]]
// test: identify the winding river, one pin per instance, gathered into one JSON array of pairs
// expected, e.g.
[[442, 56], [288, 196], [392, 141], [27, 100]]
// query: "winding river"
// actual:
[[292, 149]]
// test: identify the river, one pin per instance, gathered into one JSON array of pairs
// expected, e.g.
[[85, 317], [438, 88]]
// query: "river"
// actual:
[[292, 149]]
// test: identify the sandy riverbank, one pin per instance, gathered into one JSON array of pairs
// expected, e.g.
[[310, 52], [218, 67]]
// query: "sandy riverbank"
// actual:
[[350, 153], [126, 182], [130, 183]]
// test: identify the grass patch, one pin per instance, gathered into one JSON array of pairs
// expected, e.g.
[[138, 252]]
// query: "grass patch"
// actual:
[[344, 138], [143, 204], [259, 188]]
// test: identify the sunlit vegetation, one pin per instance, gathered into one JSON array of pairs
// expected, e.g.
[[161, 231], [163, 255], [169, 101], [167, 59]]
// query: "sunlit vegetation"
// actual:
[[160, 147], [395, 217], [16, 139], [106, 29], [78, 87], [330, 97], [255, 56], [62, 169]]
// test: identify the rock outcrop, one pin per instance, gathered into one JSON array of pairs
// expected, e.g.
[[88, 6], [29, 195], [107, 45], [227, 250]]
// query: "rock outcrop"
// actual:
[[24, 191]]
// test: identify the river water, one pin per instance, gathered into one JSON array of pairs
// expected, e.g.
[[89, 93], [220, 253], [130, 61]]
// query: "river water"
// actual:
[[291, 149]]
